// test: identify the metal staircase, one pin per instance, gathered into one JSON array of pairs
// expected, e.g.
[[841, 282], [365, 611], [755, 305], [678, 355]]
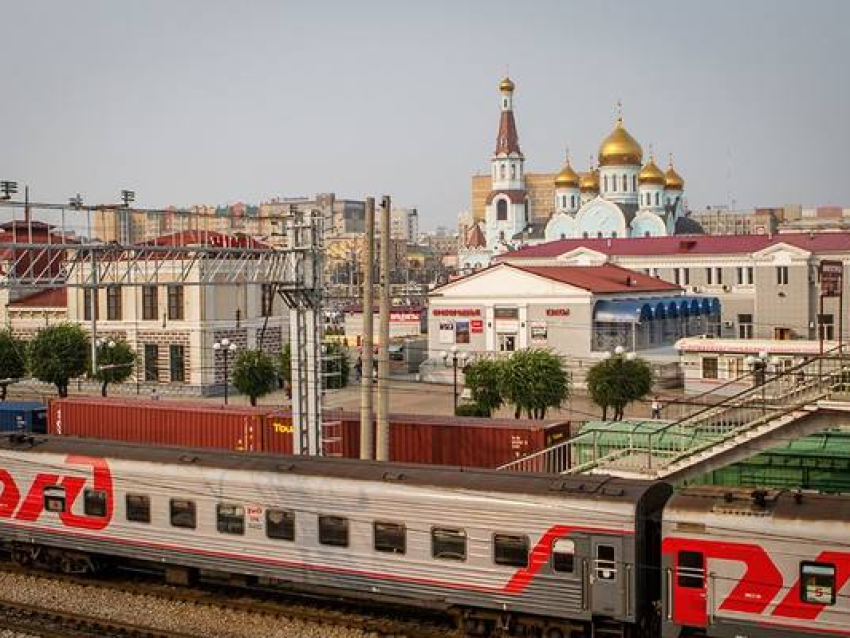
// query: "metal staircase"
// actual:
[[781, 404]]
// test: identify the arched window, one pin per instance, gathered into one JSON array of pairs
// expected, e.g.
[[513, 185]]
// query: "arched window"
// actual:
[[501, 210], [563, 201], [584, 234], [634, 182], [599, 234], [502, 171], [656, 198], [646, 233], [625, 183], [605, 179], [573, 201], [513, 171]]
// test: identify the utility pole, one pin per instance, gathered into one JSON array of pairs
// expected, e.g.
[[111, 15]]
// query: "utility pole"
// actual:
[[382, 443], [367, 438]]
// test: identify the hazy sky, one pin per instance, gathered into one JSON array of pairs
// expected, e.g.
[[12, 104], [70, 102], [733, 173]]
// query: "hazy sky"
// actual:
[[207, 101]]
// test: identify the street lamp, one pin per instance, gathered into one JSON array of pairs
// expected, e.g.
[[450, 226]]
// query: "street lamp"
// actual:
[[226, 348], [455, 358], [758, 366]]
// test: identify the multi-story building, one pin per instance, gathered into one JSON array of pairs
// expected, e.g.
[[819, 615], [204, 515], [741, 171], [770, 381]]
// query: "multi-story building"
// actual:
[[767, 285], [404, 224], [719, 220]]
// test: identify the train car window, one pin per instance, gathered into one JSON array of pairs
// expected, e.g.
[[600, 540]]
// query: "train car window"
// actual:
[[230, 519], [183, 513], [138, 507], [94, 503], [333, 530], [54, 498], [448, 543], [818, 583], [510, 550], [564, 555], [390, 537], [606, 562], [280, 524], [691, 570]]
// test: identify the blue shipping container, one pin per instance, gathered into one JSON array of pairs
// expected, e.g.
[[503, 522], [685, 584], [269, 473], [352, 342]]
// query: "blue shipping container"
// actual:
[[23, 416]]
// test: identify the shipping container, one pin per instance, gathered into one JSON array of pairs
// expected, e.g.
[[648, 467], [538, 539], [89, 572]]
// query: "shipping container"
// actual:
[[23, 416], [202, 425], [443, 440]]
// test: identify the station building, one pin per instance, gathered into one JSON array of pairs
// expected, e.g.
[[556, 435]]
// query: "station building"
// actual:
[[580, 312]]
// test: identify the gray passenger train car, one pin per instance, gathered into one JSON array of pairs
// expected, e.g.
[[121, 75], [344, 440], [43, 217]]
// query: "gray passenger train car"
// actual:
[[560, 554]]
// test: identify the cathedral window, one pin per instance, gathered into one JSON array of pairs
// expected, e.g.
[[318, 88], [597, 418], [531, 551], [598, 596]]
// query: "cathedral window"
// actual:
[[573, 201], [563, 201], [599, 234], [656, 198], [625, 183], [634, 182], [513, 171], [502, 171], [501, 210]]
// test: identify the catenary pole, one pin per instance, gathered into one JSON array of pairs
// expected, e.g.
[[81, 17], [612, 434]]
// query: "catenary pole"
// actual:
[[382, 439], [367, 439]]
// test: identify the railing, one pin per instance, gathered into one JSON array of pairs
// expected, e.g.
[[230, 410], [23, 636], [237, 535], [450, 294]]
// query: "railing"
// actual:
[[649, 449]]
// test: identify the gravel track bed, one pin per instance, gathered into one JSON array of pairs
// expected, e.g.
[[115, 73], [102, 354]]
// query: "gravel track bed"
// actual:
[[157, 613]]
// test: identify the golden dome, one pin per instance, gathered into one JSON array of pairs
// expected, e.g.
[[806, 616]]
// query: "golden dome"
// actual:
[[589, 181], [567, 178], [506, 85], [620, 148], [651, 174], [672, 180]]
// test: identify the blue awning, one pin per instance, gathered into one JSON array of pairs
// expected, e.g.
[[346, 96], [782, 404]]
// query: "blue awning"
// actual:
[[639, 310]]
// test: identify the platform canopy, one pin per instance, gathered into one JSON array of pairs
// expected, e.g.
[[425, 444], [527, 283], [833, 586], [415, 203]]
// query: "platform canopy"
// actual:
[[651, 308]]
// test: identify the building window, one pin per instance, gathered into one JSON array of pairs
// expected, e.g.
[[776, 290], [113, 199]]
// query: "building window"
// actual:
[[333, 530], [817, 583], [563, 555], [389, 538], [177, 363], [175, 302], [501, 210], [657, 203], [280, 524], [94, 503], [739, 271], [510, 550], [691, 570], [113, 303], [745, 326], [182, 513], [826, 327], [634, 182], [709, 367], [605, 183], [138, 508], [718, 276], [151, 362], [513, 171], [709, 276], [686, 276], [502, 171], [749, 271], [448, 544], [625, 183], [677, 276], [782, 275], [150, 305], [573, 201], [230, 519], [88, 294]]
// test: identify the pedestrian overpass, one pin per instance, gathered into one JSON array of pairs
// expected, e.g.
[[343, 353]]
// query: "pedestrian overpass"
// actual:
[[808, 398]]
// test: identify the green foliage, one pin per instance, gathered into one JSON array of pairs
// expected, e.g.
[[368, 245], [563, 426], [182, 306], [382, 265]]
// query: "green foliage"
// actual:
[[335, 366], [618, 381], [12, 360], [472, 409], [58, 354], [254, 374], [483, 379], [534, 380], [284, 366], [115, 363]]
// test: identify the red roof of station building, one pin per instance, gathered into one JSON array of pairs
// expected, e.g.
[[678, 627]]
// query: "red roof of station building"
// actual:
[[210, 238], [52, 298], [686, 245], [601, 279]]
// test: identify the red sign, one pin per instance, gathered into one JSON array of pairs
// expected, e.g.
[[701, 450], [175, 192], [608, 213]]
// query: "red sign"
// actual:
[[404, 316], [476, 325], [831, 274], [456, 312], [557, 312]]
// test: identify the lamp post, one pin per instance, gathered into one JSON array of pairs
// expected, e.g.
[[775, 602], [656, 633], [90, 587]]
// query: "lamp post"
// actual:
[[455, 357], [758, 366], [225, 347]]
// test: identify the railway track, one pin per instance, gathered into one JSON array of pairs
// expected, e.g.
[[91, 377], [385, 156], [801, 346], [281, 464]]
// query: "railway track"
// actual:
[[259, 603]]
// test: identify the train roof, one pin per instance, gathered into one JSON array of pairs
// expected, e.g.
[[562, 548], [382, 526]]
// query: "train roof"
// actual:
[[476, 479], [698, 502]]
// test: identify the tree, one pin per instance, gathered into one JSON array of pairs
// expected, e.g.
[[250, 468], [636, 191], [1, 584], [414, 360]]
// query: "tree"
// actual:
[[254, 374], [335, 366], [483, 379], [58, 354], [284, 368], [618, 381], [12, 361], [534, 380], [115, 363]]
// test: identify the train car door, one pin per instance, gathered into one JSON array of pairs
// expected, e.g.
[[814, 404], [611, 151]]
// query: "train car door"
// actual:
[[690, 598], [607, 576]]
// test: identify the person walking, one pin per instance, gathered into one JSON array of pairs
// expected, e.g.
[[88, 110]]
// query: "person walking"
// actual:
[[656, 408], [358, 367]]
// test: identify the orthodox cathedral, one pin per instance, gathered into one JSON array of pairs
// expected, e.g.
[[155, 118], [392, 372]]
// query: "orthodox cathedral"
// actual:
[[620, 197]]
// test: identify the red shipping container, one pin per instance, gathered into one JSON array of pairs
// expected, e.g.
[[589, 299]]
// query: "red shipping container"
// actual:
[[198, 425]]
